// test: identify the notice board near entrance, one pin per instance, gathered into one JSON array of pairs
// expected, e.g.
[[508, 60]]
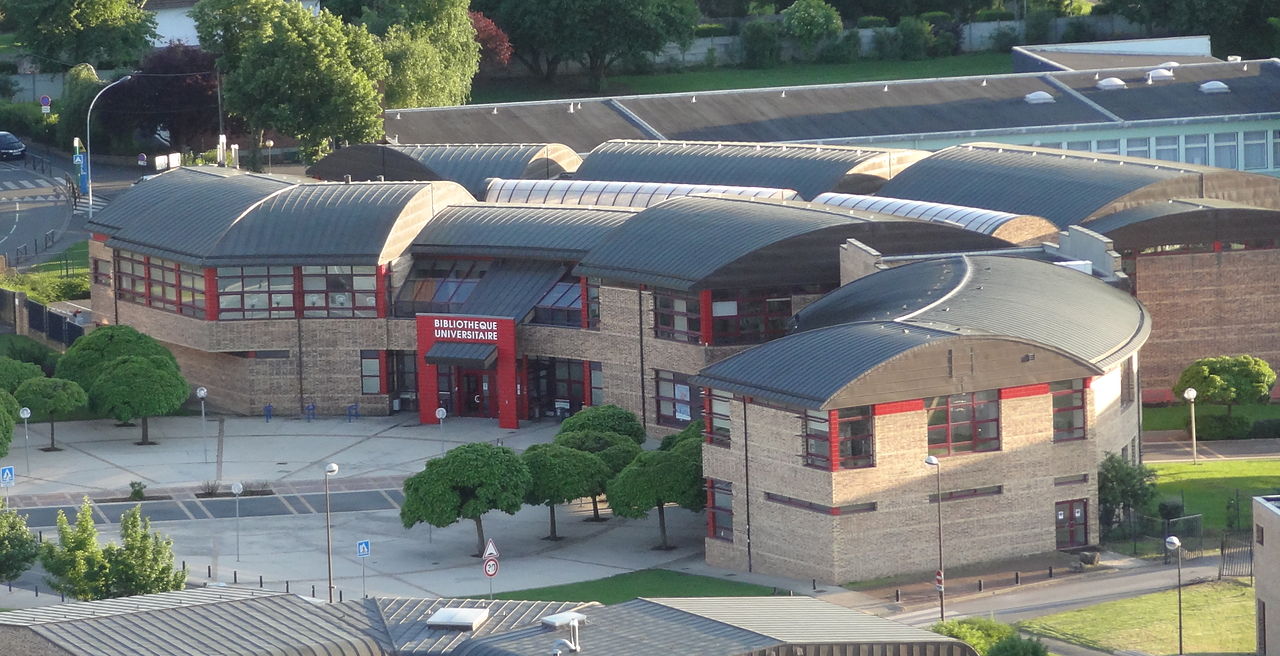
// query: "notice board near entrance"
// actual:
[[498, 331]]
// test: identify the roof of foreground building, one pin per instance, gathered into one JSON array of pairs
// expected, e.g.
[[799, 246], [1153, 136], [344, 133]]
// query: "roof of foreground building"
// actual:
[[466, 164]]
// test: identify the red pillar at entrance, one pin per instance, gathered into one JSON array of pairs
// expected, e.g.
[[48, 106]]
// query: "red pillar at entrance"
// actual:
[[499, 331]]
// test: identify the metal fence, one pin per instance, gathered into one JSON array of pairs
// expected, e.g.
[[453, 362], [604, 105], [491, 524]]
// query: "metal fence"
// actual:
[[1147, 534], [1237, 555], [56, 326]]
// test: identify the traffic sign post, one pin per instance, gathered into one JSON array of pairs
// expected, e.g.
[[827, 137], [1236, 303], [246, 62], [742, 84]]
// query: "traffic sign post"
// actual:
[[25, 413], [938, 581], [489, 562], [490, 549], [7, 475], [363, 549], [441, 413], [45, 102], [82, 172]]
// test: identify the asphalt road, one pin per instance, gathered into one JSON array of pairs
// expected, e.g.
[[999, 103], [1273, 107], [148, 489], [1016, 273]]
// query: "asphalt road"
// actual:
[[31, 206]]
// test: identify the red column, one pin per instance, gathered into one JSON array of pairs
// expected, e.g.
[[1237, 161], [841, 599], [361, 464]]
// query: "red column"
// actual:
[[508, 416], [211, 294], [833, 437], [381, 290], [704, 311], [707, 430], [382, 372]]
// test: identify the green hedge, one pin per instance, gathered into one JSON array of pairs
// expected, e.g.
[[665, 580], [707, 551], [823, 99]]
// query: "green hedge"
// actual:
[[1265, 428], [761, 44], [710, 29], [25, 119], [1221, 427], [988, 15], [936, 18], [868, 22]]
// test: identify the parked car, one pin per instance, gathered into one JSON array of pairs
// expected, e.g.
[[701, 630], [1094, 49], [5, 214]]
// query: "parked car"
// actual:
[[11, 147]]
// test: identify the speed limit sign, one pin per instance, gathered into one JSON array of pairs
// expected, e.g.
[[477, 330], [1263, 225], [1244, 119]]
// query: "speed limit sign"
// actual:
[[490, 567]]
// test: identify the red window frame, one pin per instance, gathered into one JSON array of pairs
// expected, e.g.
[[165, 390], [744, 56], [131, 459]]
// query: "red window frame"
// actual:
[[1069, 417], [970, 493], [756, 315], [339, 291], [957, 423], [717, 427], [257, 292], [101, 271], [131, 277], [839, 439], [162, 284], [677, 316], [669, 404], [720, 510]]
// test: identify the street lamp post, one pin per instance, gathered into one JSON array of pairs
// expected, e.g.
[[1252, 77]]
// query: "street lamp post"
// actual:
[[25, 413], [202, 393], [329, 470], [1190, 395], [1172, 543], [932, 461], [269, 144], [236, 488], [88, 140]]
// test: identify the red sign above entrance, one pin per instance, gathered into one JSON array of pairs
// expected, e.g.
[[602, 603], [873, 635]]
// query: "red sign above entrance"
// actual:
[[482, 382], [464, 330]]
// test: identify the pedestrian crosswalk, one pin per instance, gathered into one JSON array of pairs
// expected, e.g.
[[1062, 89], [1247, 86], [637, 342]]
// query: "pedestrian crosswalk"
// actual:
[[82, 204], [41, 198], [15, 185]]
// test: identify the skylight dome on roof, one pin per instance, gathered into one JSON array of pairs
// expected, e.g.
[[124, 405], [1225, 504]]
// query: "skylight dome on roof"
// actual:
[[1170, 64], [1038, 98], [1107, 84], [1215, 86], [1159, 74]]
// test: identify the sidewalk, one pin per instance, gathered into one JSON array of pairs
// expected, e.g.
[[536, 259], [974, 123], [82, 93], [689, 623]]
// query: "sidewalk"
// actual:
[[1175, 446]]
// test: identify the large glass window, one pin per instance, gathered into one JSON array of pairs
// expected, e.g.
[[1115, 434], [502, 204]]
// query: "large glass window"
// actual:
[[749, 316], [677, 316], [131, 277], [1167, 148], [257, 292], [1255, 150], [816, 429], [1079, 145], [1195, 149], [562, 304], [717, 427], [370, 373], [678, 402], [1068, 409], [597, 383], [1226, 150], [720, 509], [1137, 147], [556, 386], [339, 291], [101, 270], [964, 423], [160, 283], [1275, 148], [853, 432], [440, 286], [1108, 146]]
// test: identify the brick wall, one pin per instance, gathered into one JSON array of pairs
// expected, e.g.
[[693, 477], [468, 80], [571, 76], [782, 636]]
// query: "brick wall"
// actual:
[[1266, 571]]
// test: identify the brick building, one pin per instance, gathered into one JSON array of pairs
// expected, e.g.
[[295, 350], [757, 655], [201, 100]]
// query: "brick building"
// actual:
[[1266, 571]]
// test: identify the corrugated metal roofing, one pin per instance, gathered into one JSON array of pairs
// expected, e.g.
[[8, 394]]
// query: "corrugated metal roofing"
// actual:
[[123, 606], [525, 231], [1255, 87], [462, 354], [801, 619], [1174, 206], [511, 288], [709, 241], [1064, 187], [613, 193], [808, 169], [1187, 221], [405, 620], [579, 124], [971, 218], [467, 164]]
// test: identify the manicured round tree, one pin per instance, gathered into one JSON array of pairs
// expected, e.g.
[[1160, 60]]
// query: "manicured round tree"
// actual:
[[84, 360], [50, 397], [653, 480], [1228, 380], [133, 387], [560, 475], [609, 418], [13, 372], [617, 451], [465, 483]]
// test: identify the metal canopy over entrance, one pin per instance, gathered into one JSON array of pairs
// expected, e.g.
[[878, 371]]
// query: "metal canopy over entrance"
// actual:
[[462, 354]]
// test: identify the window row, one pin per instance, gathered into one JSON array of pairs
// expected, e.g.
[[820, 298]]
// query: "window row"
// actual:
[[1250, 150], [563, 304], [850, 509], [737, 316], [275, 292], [160, 283]]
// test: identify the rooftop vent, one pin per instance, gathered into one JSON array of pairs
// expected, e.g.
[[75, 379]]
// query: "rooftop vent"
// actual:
[[458, 619], [1214, 86], [1170, 64], [1233, 58], [563, 619], [1038, 98], [1110, 83], [1159, 74]]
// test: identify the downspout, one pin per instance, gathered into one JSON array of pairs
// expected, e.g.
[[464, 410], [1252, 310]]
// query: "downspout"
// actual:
[[644, 402], [746, 477]]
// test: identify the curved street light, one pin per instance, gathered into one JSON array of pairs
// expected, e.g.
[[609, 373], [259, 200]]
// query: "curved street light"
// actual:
[[933, 461], [88, 140], [330, 469], [1190, 395], [1172, 543]]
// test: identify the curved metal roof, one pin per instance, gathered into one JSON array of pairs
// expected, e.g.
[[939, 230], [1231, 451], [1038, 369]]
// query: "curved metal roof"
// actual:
[[1065, 187], [988, 222], [809, 169], [613, 193], [848, 332], [1187, 221], [184, 204], [709, 241], [467, 164], [526, 231]]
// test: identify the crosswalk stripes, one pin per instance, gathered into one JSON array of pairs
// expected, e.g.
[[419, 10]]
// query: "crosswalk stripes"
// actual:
[[82, 204], [32, 199]]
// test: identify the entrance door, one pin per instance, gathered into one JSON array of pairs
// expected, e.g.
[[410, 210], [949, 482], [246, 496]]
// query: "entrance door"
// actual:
[[477, 392], [1072, 523]]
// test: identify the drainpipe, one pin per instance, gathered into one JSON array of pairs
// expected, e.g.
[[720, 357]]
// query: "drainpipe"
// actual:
[[746, 478], [644, 402]]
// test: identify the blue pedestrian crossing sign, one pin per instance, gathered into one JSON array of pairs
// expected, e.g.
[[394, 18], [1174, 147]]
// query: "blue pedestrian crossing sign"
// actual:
[[7, 475], [362, 547]]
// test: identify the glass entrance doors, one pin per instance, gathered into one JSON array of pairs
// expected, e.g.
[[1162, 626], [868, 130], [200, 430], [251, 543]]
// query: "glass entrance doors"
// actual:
[[1072, 523], [476, 393]]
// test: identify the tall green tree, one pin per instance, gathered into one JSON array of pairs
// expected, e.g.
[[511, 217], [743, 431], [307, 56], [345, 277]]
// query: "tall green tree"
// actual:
[[84, 360], [655, 479], [8, 421], [227, 27], [143, 561], [1228, 380], [311, 77], [94, 31], [80, 85], [18, 548], [426, 67], [616, 451], [537, 30], [809, 23], [606, 418], [13, 372], [1123, 487], [465, 483], [177, 91], [132, 387], [77, 565], [560, 475], [609, 30], [51, 397]]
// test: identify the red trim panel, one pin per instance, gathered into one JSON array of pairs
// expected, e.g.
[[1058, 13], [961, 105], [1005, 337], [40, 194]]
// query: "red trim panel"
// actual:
[[211, 293], [913, 405], [1024, 391], [704, 310]]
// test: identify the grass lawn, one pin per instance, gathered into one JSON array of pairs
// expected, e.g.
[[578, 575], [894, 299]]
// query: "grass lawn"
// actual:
[[1174, 417], [523, 89], [1218, 618], [1207, 486], [644, 583], [72, 261]]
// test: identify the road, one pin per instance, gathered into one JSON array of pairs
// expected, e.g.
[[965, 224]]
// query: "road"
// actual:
[[31, 206]]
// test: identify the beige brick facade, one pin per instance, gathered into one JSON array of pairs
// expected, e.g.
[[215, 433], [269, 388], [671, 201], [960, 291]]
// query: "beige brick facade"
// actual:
[[1266, 573]]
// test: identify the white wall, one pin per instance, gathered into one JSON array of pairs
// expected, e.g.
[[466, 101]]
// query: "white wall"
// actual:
[[176, 25]]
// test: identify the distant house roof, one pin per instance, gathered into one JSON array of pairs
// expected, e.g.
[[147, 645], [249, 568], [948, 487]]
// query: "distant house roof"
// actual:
[[866, 323], [467, 164], [1120, 53], [1014, 228], [721, 627], [808, 169], [705, 242], [613, 193], [554, 232]]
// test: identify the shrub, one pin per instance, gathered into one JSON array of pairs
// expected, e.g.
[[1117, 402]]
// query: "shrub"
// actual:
[[887, 44], [1220, 427], [1016, 645], [9, 87], [979, 632], [25, 119], [1265, 428], [1079, 31], [1039, 26], [761, 45], [9, 66], [13, 372], [29, 350], [756, 8], [810, 22], [137, 490], [710, 29], [1170, 508], [1004, 39], [871, 22], [844, 51], [989, 15], [709, 58], [944, 44], [605, 418], [936, 18], [914, 36]]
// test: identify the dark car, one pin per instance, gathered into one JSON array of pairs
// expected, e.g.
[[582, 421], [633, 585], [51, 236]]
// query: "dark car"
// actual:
[[11, 147]]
